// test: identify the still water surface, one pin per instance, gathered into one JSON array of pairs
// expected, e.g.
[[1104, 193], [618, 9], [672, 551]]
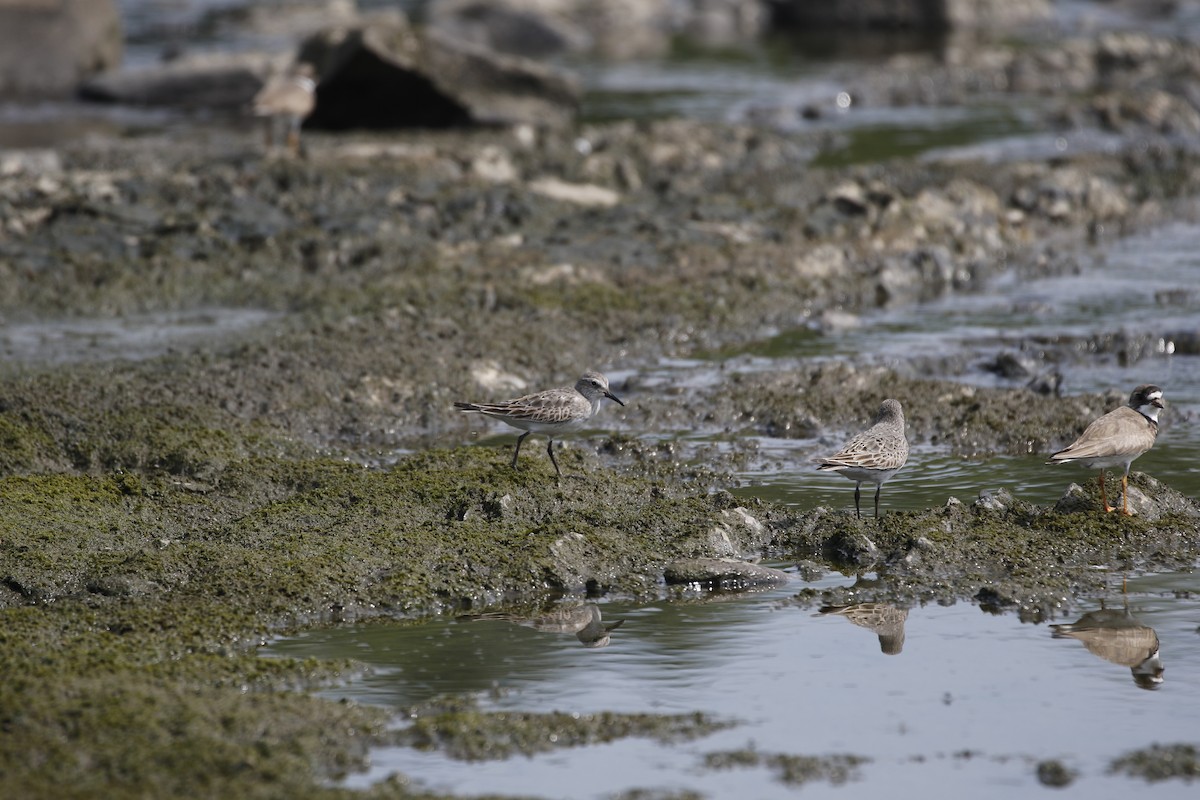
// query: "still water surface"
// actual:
[[967, 707]]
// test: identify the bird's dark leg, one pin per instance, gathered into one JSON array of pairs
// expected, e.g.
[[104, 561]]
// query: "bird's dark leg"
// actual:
[[550, 450], [878, 486], [857, 492], [517, 450]]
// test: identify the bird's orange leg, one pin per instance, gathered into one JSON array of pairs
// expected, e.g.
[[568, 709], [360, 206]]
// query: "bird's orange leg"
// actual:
[[1125, 495], [1103, 497]]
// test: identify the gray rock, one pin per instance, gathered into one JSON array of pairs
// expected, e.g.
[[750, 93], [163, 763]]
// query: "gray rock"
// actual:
[[1055, 774], [891, 14], [610, 28], [48, 46], [531, 29], [220, 81], [852, 547], [723, 573], [996, 500], [386, 74]]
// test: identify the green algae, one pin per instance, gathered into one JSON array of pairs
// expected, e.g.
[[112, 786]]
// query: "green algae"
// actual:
[[132, 601], [791, 769], [1160, 762], [456, 727], [1018, 556]]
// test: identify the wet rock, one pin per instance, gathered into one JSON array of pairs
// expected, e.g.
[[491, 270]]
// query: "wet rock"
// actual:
[[1046, 383], [1012, 366], [222, 81], [994, 500], [1160, 762], [1055, 774], [1149, 499], [1069, 193], [726, 574], [531, 29], [883, 14], [457, 727], [608, 28], [490, 376], [386, 74], [583, 194], [48, 46], [738, 534], [790, 769], [852, 547], [718, 23]]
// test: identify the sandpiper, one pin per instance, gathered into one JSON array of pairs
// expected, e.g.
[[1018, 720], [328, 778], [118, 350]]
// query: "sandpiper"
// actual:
[[552, 412], [874, 455], [886, 620], [581, 619], [291, 96], [1117, 438]]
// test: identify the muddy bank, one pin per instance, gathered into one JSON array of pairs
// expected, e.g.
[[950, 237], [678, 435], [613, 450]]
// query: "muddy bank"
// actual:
[[405, 275], [138, 598]]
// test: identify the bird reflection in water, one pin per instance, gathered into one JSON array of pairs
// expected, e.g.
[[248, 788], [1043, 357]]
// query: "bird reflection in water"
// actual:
[[581, 619], [887, 621], [1121, 638]]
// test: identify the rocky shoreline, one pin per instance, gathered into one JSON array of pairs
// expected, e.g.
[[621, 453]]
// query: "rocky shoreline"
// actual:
[[160, 516]]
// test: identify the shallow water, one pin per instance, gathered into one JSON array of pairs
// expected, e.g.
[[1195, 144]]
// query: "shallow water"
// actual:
[[133, 337], [968, 706]]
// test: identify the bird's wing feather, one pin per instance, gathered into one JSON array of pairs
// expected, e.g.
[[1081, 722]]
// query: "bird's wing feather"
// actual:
[[873, 448], [1110, 435], [544, 407]]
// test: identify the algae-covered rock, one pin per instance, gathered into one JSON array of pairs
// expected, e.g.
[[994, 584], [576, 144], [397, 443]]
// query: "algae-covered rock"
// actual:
[[457, 727], [1160, 762]]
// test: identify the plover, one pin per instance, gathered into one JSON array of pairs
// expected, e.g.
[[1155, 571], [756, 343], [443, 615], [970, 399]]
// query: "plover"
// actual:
[[290, 96], [874, 455], [1120, 638], [552, 412], [1117, 438]]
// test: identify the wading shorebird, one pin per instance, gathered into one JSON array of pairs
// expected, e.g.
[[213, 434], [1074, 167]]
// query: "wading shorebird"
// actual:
[[1117, 438], [552, 412], [874, 455], [289, 96]]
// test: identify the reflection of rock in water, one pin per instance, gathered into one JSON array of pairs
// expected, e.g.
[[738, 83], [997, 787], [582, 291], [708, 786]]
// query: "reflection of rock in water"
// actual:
[[583, 620], [886, 620], [1118, 637]]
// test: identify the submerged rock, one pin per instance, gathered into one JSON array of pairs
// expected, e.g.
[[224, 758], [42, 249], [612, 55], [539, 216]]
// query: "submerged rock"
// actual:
[[1055, 774]]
